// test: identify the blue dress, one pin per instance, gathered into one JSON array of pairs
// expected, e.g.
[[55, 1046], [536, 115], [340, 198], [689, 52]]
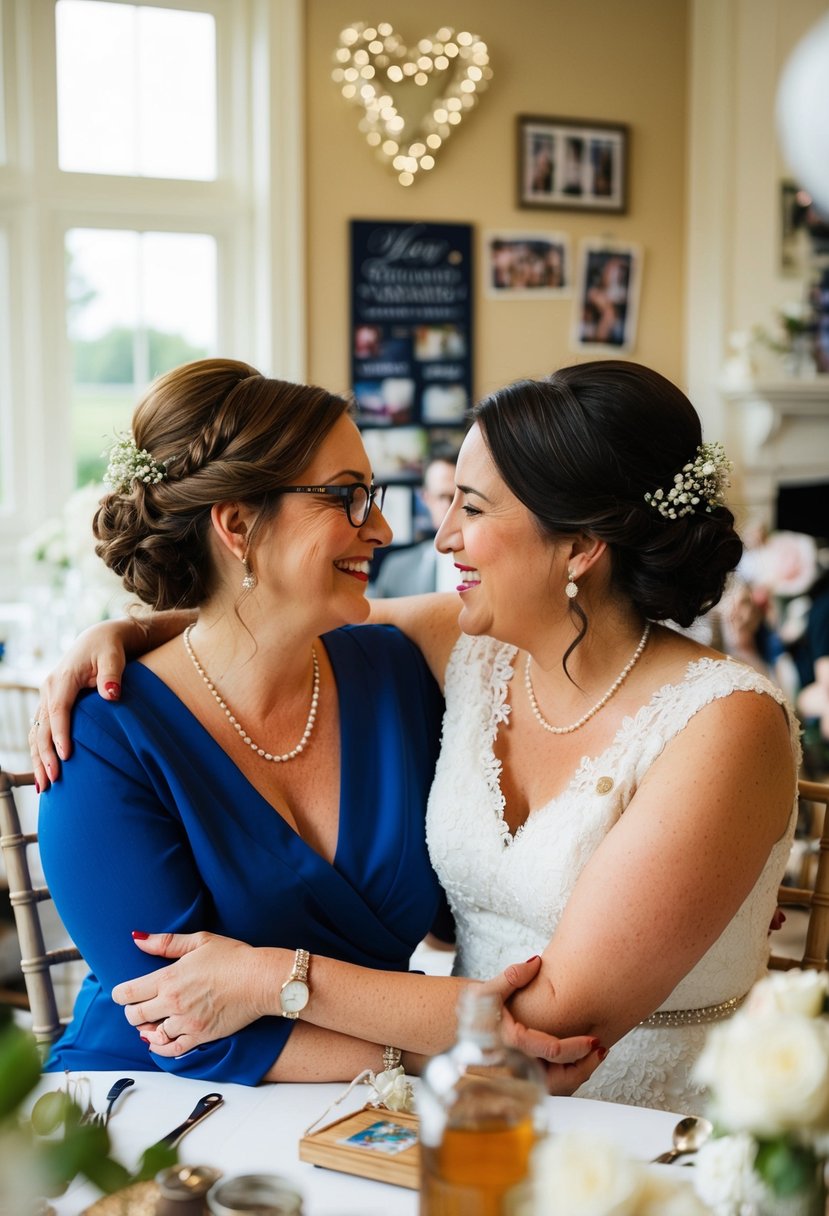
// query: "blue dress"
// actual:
[[153, 827]]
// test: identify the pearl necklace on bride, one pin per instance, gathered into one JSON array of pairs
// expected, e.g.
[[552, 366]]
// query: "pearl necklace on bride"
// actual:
[[617, 683], [237, 725]]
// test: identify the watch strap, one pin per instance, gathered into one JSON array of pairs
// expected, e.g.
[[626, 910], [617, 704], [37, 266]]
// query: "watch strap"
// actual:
[[302, 960]]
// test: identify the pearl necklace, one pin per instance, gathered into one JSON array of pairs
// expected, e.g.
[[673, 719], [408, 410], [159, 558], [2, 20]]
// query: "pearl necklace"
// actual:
[[620, 679], [237, 726]]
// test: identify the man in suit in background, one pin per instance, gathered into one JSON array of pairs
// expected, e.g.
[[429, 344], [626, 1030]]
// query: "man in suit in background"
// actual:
[[421, 568]]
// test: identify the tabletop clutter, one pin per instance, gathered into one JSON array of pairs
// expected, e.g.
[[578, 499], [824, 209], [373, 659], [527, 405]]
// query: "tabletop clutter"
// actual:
[[474, 1145]]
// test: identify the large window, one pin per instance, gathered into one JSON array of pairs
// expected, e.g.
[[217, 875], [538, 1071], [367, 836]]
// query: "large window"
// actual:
[[157, 69], [144, 221], [137, 303]]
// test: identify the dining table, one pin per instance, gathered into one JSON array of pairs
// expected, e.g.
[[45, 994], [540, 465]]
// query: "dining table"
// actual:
[[258, 1129]]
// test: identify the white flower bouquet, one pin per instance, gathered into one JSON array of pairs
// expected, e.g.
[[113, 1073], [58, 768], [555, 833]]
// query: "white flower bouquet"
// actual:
[[767, 1072], [577, 1174]]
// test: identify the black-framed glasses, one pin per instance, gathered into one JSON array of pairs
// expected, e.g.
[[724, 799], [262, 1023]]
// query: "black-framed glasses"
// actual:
[[357, 498]]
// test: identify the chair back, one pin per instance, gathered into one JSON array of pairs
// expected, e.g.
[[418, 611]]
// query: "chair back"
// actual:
[[814, 897], [18, 705], [25, 899]]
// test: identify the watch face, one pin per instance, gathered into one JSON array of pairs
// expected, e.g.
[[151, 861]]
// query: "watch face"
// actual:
[[294, 996]]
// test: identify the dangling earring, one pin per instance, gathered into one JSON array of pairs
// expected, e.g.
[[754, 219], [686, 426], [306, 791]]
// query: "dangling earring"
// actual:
[[571, 590], [249, 581]]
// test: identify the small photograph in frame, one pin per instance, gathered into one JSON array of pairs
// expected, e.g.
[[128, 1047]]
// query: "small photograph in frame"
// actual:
[[527, 266], [804, 230], [572, 164], [385, 402], [607, 296]]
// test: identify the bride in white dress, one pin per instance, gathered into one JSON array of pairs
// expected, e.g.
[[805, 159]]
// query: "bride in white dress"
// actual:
[[610, 795]]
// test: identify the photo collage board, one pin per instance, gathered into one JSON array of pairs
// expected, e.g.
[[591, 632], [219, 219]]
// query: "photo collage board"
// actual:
[[411, 354]]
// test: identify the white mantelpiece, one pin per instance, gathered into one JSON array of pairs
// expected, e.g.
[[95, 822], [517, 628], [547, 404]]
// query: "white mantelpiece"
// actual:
[[778, 432]]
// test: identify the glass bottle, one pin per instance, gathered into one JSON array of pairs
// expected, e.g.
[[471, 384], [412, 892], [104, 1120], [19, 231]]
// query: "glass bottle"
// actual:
[[481, 1109]]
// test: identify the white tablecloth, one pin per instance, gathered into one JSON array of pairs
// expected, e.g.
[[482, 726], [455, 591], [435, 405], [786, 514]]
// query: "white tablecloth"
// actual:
[[258, 1130]]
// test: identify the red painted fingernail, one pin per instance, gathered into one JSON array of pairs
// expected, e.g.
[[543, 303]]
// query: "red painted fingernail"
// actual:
[[143, 1040], [595, 1044], [112, 690], [140, 935], [533, 957], [602, 1052], [37, 787]]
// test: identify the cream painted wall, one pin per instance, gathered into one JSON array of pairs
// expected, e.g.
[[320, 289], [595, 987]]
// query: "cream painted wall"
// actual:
[[618, 60], [737, 51]]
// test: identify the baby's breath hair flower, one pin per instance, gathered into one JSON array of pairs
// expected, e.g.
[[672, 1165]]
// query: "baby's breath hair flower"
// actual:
[[701, 484], [129, 463]]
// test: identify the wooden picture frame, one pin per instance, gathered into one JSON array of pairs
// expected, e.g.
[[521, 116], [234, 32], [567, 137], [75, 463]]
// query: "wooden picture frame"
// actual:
[[331, 1148], [572, 164]]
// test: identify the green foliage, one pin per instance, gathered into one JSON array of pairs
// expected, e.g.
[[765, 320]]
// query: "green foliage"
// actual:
[[785, 1168], [71, 1148], [19, 1066], [109, 359]]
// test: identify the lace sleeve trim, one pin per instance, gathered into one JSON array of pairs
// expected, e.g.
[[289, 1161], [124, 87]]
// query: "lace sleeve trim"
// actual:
[[483, 669]]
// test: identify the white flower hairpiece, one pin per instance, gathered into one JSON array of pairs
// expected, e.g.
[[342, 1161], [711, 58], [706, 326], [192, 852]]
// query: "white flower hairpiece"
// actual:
[[129, 463], [702, 482]]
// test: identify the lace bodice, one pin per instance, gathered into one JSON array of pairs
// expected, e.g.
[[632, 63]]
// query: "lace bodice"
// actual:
[[508, 892]]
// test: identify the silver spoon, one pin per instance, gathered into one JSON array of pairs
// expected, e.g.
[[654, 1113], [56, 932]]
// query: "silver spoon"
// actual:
[[689, 1135]]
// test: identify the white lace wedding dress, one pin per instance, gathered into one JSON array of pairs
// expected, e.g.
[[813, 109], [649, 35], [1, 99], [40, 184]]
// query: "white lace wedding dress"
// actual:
[[508, 892]]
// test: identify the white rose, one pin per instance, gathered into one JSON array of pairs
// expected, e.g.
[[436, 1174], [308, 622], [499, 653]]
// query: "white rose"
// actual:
[[580, 1175], [724, 1174], [789, 992], [768, 1074], [394, 1090], [666, 1197]]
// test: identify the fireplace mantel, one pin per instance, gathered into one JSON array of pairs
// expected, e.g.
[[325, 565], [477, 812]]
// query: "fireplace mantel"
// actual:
[[779, 434]]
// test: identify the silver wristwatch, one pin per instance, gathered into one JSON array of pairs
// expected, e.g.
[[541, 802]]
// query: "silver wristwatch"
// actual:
[[295, 993]]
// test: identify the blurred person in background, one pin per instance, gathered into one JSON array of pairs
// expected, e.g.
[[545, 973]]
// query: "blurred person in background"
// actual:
[[421, 568]]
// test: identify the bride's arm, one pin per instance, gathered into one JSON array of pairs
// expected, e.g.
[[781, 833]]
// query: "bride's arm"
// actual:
[[671, 874], [430, 621]]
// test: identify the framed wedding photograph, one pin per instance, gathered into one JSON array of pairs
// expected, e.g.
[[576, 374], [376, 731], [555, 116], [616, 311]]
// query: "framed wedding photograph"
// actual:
[[572, 164], [527, 265], [607, 297]]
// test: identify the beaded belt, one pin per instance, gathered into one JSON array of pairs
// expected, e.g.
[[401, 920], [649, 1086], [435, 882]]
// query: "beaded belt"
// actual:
[[693, 1017]]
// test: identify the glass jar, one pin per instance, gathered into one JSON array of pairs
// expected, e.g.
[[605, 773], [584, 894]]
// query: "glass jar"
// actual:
[[254, 1195]]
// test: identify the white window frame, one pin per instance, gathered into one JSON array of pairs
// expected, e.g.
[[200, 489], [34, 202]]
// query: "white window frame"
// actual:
[[254, 209]]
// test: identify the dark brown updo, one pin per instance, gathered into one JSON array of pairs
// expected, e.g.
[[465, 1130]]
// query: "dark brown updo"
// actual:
[[582, 448], [223, 432]]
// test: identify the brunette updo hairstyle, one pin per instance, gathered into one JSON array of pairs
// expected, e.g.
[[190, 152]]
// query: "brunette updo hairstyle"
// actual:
[[582, 448], [223, 432]]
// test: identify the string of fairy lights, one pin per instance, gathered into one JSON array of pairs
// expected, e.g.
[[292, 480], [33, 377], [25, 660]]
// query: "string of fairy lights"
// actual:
[[372, 62]]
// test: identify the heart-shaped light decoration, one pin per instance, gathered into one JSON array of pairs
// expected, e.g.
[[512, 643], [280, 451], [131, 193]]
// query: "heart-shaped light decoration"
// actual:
[[413, 99]]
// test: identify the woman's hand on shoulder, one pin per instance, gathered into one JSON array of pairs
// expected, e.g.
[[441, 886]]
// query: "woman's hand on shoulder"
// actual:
[[430, 621], [215, 987], [96, 660]]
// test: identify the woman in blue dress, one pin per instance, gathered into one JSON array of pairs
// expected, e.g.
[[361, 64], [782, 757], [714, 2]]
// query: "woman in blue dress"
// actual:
[[265, 776]]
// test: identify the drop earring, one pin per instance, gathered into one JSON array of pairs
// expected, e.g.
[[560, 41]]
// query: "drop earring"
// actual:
[[571, 590], [249, 580]]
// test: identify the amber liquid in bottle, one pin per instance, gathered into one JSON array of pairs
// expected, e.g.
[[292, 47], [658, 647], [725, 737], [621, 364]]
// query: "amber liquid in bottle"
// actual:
[[480, 1108], [473, 1171]]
